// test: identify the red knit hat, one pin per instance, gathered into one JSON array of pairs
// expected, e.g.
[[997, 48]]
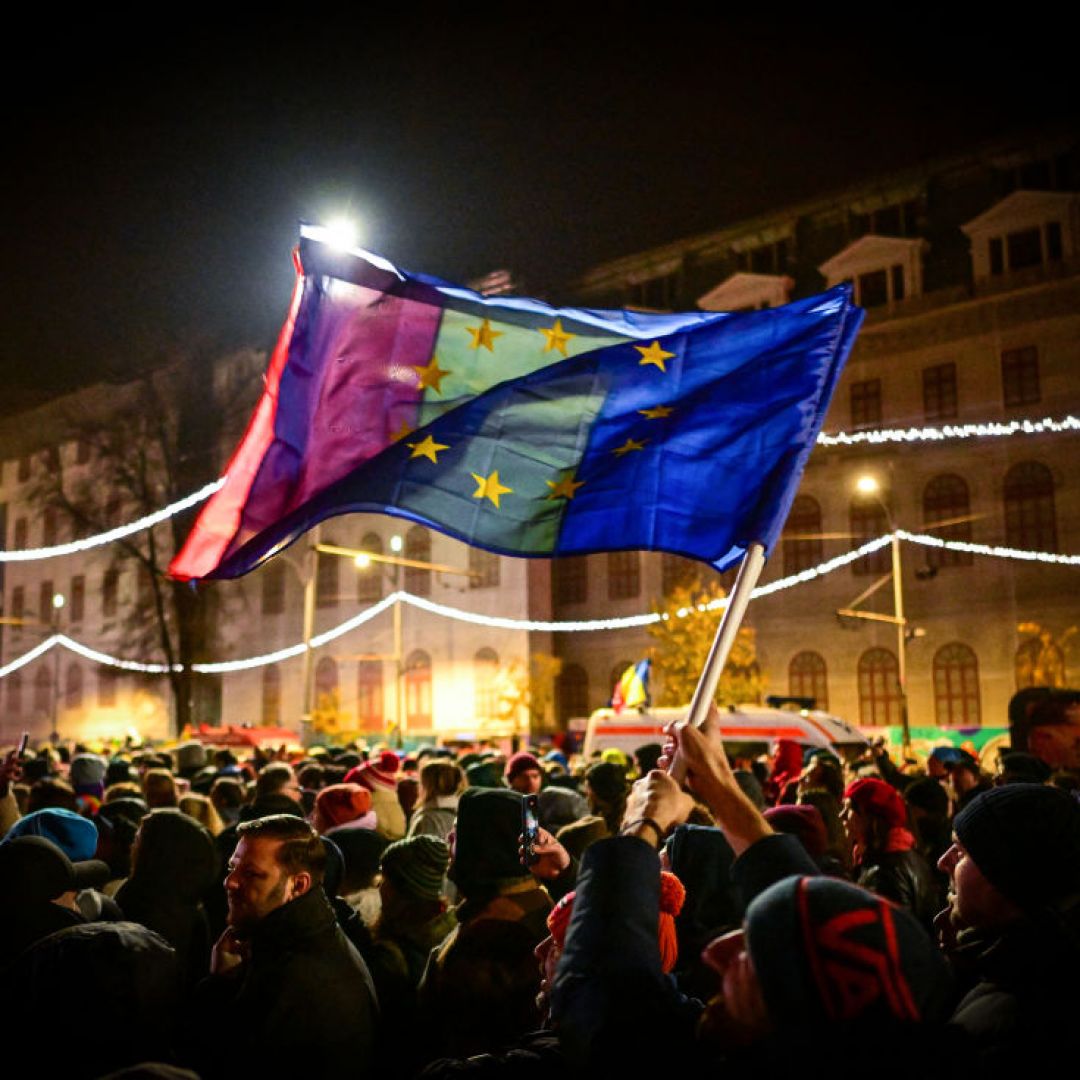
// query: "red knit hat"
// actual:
[[379, 773], [878, 799], [672, 896], [519, 762], [339, 804]]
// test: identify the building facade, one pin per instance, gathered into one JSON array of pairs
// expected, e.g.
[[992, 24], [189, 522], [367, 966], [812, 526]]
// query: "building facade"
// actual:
[[969, 270]]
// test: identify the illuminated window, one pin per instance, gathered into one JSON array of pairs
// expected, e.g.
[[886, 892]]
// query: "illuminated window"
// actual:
[[868, 521], [879, 688], [802, 535], [369, 694], [418, 548], [572, 692], [271, 696], [808, 678], [418, 690], [956, 686], [947, 513], [369, 579], [485, 669], [1030, 519]]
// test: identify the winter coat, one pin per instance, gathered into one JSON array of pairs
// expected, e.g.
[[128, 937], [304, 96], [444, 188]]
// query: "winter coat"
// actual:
[[302, 1005], [905, 877]]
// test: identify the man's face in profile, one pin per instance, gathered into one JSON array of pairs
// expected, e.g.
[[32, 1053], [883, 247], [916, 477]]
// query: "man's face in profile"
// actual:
[[1058, 744]]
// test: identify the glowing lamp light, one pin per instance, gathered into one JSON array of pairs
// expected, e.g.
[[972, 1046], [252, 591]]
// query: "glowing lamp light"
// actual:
[[341, 233], [867, 485], [58, 600], [362, 561], [396, 543]]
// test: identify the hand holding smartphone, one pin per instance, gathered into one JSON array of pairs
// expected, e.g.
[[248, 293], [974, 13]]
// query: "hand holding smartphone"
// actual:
[[530, 827]]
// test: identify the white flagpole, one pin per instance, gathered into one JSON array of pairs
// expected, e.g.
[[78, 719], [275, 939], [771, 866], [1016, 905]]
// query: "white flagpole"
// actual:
[[749, 572]]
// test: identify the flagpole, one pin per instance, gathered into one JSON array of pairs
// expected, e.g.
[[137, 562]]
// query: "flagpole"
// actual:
[[749, 572]]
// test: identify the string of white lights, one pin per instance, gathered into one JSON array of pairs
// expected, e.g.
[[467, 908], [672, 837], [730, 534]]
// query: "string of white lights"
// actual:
[[75, 546], [990, 549], [989, 429], [503, 623]]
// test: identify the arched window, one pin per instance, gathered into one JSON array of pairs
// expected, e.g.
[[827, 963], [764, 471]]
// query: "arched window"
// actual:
[[14, 693], [369, 695], [418, 547], [418, 689], [868, 521], [43, 692], [271, 696], [485, 668], [369, 579], [485, 566], [808, 677], [956, 685], [947, 513], [572, 692], [273, 587], [327, 579], [1030, 521], [73, 687], [802, 535], [879, 688], [624, 575], [326, 677]]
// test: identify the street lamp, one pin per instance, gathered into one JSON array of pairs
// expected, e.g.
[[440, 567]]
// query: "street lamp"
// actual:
[[870, 487], [57, 606]]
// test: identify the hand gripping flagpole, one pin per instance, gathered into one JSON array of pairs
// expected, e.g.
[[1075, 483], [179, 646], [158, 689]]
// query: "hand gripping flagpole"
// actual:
[[749, 572]]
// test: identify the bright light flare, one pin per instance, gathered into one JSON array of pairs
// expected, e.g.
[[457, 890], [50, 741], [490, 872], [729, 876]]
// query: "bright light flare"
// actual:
[[362, 561], [342, 234], [867, 485], [396, 543]]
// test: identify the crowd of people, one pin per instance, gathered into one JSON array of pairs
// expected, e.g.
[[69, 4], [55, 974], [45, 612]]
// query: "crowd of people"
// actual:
[[345, 911]]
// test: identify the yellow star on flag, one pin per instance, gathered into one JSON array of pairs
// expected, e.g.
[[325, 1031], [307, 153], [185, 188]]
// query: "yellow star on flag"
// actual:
[[431, 375], [402, 431], [628, 446], [427, 447], [653, 354], [657, 412], [557, 337], [483, 335], [488, 487], [566, 488]]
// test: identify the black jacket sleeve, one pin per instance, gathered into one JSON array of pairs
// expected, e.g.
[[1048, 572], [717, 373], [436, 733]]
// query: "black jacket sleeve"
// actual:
[[770, 860]]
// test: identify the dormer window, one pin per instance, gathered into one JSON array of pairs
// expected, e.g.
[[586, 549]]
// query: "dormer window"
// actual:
[[1029, 228], [884, 269], [748, 292]]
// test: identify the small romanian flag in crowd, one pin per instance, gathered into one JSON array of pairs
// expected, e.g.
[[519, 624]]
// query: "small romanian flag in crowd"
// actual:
[[632, 689], [522, 428]]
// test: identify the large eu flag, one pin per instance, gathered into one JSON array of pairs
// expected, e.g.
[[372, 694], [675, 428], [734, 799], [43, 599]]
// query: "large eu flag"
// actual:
[[519, 427]]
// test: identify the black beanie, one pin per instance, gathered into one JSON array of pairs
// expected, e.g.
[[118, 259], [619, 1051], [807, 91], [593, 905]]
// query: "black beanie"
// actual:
[[486, 841], [825, 950], [1025, 838]]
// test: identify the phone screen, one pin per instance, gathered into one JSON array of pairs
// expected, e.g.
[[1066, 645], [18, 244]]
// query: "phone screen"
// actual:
[[23, 743], [530, 826]]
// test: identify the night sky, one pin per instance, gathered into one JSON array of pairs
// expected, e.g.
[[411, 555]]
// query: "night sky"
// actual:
[[155, 178]]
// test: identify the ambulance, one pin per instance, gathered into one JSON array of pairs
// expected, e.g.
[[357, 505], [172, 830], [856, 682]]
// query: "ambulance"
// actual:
[[748, 730]]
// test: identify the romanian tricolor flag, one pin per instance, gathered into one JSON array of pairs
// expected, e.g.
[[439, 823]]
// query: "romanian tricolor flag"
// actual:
[[632, 689], [522, 428]]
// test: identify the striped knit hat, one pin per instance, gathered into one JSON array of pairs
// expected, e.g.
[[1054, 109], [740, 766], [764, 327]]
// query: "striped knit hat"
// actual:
[[417, 866]]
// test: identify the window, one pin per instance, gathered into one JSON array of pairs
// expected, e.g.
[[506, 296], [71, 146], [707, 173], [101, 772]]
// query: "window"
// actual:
[[1030, 519], [369, 579], [1023, 249], [802, 535], [1020, 376], [418, 690], [106, 687], [45, 601], [624, 574], [327, 579], [43, 692], [808, 678], [369, 694], [21, 535], [23, 472], [571, 579], [764, 259], [677, 572], [14, 693], [956, 686], [326, 679], [271, 696], [485, 670], [572, 692], [486, 565], [879, 688], [1040, 663], [939, 391], [73, 687], [273, 588], [417, 579], [873, 288], [947, 513], [110, 592], [49, 526], [868, 522], [77, 606], [18, 602], [866, 403]]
